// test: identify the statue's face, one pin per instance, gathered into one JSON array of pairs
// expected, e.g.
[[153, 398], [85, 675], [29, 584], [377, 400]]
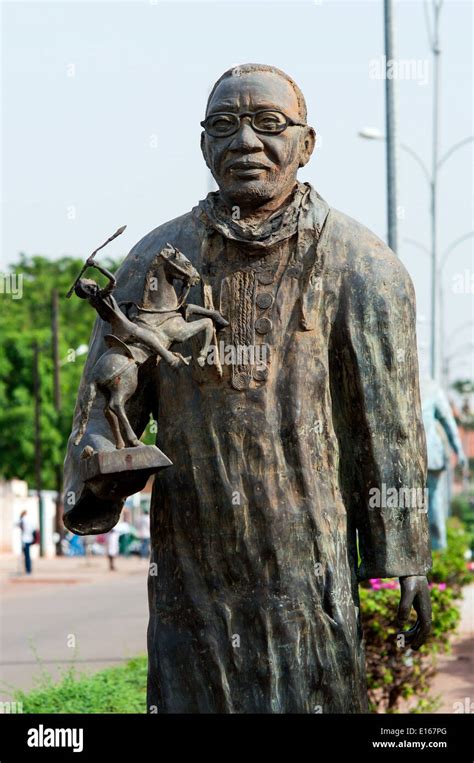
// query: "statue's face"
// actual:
[[86, 288], [253, 168]]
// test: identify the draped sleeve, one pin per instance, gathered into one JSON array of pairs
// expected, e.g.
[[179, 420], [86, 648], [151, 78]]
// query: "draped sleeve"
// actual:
[[377, 402]]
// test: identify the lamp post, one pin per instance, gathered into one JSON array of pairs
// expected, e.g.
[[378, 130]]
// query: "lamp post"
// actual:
[[459, 351], [38, 442], [57, 407], [372, 133], [442, 263], [391, 129]]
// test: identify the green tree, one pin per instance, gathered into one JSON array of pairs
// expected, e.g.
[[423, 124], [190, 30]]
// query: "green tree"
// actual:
[[24, 321]]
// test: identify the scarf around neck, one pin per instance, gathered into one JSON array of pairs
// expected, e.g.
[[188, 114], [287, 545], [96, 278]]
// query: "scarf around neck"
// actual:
[[281, 224]]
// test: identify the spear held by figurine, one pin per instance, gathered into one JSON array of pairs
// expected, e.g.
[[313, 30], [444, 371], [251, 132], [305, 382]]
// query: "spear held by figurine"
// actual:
[[88, 261]]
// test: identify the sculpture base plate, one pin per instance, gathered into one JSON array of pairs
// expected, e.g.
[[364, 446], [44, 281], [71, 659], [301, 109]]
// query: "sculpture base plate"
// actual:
[[113, 474]]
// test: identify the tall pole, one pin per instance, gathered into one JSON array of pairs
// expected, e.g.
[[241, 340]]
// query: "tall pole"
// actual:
[[57, 405], [436, 50], [55, 335], [391, 127], [38, 465]]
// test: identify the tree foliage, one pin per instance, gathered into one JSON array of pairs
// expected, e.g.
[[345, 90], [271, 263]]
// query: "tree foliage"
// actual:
[[24, 321]]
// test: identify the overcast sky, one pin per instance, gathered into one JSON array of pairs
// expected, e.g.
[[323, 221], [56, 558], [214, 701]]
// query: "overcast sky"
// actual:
[[102, 102]]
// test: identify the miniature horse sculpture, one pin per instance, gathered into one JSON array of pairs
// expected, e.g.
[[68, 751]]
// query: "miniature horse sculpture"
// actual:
[[149, 331]]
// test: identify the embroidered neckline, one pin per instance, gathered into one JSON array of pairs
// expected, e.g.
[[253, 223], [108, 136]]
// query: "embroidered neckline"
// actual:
[[280, 225]]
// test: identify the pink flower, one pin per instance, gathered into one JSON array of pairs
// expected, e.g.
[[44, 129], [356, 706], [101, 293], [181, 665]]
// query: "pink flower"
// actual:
[[441, 586], [375, 584]]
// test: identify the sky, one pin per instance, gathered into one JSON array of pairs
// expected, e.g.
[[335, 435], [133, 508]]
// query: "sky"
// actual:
[[101, 104]]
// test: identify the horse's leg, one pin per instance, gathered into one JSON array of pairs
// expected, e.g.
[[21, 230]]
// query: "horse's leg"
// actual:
[[117, 405], [114, 425], [153, 343], [214, 314], [119, 395], [187, 330]]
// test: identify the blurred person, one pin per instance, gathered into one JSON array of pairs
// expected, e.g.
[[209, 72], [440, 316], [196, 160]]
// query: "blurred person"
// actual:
[[112, 547], [143, 529], [437, 416], [27, 539], [125, 532]]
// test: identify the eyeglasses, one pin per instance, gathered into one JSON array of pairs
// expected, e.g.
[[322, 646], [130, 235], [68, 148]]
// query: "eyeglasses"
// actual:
[[225, 123]]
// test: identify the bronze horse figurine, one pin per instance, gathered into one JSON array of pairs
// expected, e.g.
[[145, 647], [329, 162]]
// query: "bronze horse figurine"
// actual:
[[147, 330]]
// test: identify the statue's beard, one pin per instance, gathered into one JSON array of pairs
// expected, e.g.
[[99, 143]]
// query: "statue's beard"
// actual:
[[254, 193]]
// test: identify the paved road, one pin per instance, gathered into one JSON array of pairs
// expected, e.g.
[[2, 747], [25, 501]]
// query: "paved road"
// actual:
[[104, 614]]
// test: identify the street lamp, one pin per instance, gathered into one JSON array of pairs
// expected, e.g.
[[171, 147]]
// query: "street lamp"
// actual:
[[460, 350], [372, 133], [441, 266]]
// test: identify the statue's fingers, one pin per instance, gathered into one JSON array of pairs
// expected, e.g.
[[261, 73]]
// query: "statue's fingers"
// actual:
[[406, 601], [422, 633], [422, 605], [409, 635]]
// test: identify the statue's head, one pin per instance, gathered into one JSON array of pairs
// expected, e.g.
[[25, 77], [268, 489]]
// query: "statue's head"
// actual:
[[255, 159], [178, 266], [86, 288]]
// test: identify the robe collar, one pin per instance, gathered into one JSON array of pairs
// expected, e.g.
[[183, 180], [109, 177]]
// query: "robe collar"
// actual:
[[280, 225]]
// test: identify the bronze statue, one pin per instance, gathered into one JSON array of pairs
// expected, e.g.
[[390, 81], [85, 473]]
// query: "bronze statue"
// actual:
[[280, 470]]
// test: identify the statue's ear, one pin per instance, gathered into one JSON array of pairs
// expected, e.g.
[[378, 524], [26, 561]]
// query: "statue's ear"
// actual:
[[204, 148], [308, 142], [166, 252]]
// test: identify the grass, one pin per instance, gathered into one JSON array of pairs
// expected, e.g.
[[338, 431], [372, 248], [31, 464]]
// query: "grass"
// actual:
[[119, 689]]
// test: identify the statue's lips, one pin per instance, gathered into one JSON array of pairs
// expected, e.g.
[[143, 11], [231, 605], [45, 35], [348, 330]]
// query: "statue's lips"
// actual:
[[247, 169]]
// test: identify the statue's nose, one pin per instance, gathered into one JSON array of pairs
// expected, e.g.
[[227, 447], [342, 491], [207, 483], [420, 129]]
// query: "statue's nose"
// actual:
[[246, 138]]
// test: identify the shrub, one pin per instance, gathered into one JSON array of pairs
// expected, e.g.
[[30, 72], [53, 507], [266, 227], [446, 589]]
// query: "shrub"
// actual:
[[450, 566], [119, 689], [462, 507], [395, 673]]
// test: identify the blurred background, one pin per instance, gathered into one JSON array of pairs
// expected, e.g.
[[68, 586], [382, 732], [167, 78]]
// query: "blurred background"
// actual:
[[101, 109]]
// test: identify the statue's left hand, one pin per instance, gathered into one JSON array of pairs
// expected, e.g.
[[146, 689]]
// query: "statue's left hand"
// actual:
[[415, 593]]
